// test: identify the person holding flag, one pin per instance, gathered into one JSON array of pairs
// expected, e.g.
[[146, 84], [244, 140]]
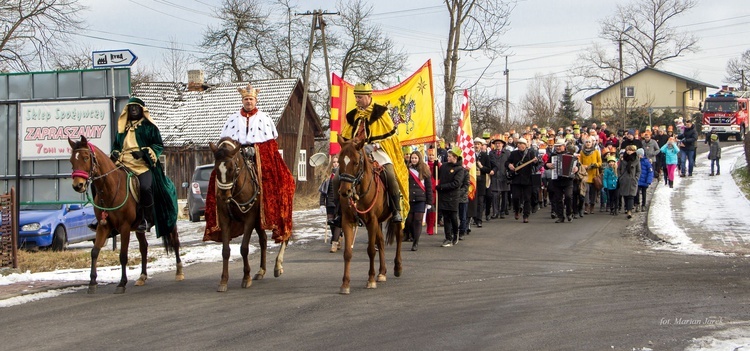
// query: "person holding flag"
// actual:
[[372, 122]]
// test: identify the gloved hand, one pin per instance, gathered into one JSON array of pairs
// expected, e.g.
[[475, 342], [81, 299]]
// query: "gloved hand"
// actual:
[[429, 207], [114, 156], [322, 210], [137, 154]]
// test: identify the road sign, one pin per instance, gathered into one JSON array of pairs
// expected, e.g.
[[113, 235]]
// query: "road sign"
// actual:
[[113, 58]]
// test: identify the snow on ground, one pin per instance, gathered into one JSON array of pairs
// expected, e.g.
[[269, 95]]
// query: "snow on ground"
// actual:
[[702, 206], [308, 226]]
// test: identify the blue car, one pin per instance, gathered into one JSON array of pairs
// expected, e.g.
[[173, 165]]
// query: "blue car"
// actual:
[[54, 226]]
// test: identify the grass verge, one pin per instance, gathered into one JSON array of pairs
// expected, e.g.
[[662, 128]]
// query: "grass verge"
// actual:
[[742, 178], [48, 261]]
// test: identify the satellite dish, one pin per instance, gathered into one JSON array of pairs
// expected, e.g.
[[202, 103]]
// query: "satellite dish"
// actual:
[[318, 159]]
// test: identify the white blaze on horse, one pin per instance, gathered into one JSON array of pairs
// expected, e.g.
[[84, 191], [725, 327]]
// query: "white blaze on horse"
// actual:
[[238, 210], [363, 198]]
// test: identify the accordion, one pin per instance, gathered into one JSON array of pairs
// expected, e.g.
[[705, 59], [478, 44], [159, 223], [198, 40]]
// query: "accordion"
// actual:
[[563, 166]]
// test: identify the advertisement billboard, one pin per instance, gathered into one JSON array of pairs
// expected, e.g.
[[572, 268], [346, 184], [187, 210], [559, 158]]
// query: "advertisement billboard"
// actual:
[[46, 126]]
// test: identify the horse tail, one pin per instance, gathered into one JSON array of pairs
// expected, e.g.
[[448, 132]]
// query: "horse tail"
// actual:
[[168, 239], [394, 232]]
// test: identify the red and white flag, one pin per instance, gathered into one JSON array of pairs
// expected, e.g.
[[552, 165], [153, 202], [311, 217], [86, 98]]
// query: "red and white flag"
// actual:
[[465, 141]]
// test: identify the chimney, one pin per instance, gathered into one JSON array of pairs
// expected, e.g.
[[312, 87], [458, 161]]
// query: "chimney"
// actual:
[[195, 80]]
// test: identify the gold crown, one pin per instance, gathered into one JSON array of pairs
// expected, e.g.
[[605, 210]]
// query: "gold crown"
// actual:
[[362, 89], [248, 91]]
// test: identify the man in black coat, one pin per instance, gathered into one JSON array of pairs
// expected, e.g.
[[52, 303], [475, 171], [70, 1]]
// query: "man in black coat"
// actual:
[[561, 188], [450, 178], [688, 140], [499, 187], [484, 172], [521, 164]]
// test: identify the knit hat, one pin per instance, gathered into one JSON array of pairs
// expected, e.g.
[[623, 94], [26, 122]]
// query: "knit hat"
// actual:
[[640, 152], [714, 137]]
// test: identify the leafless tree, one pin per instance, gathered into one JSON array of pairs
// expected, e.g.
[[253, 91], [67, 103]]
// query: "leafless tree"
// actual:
[[737, 68], [228, 44], [73, 58], [142, 73], [33, 31], [363, 52], [487, 112], [648, 40], [475, 27], [542, 100], [176, 62]]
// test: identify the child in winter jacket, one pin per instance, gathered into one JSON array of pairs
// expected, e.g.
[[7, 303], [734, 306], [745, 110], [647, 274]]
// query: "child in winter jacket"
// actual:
[[609, 183], [714, 154], [670, 152], [644, 181]]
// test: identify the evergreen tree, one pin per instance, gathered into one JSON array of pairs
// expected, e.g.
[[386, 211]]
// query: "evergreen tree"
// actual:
[[567, 111]]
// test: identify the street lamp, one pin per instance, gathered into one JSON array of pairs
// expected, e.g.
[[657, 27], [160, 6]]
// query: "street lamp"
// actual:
[[622, 92]]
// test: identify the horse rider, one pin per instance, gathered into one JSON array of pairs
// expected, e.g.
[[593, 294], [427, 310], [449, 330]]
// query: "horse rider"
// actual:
[[137, 146], [372, 123], [256, 132]]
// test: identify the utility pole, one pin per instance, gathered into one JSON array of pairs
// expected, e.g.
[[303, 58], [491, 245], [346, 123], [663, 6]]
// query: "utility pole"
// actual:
[[742, 80], [317, 23], [623, 101], [506, 73]]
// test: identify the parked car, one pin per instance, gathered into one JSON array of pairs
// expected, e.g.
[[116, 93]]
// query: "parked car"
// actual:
[[196, 199], [54, 226]]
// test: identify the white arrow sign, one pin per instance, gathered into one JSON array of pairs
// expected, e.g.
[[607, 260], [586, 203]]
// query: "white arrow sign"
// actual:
[[113, 58]]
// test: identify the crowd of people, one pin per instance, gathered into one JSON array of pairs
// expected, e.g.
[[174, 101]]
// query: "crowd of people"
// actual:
[[572, 170]]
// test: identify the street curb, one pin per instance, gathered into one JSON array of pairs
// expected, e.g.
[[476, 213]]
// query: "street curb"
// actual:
[[27, 288]]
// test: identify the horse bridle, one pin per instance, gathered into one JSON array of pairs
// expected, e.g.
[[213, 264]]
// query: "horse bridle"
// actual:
[[355, 181], [245, 206], [90, 179]]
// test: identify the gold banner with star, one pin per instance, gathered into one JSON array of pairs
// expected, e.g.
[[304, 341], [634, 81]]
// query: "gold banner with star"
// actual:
[[410, 104]]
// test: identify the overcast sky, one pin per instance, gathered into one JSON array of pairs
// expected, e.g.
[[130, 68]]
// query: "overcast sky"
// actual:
[[545, 36]]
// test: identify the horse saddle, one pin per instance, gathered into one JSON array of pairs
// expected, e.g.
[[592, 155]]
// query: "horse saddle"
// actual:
[[135, 188]]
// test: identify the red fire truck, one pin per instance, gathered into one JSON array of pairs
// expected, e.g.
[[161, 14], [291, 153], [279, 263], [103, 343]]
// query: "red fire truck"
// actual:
[[726, 113]]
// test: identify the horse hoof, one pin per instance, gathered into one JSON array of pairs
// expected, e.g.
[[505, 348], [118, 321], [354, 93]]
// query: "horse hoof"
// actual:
[[141, 281], [222, 288], [381, 278], [120, 290], [371, 285], [397, 272], [258, 276], [92, 289], [246, 283], [179, 277], [344, 291], [278, 272]]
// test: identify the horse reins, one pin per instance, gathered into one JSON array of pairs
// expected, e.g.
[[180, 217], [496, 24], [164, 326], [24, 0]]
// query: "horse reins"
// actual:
[[355, 181], [245, 206], [90, 179]]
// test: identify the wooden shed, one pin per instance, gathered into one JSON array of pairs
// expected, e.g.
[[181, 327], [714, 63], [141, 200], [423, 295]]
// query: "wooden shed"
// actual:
[[191, 118]]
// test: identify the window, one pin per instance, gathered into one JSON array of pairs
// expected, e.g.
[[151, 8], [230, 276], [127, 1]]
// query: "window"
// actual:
[[302, 166], [629, 92]]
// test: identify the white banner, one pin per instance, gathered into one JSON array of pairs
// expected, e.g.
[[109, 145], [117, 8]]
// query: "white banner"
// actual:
[[46, 126]]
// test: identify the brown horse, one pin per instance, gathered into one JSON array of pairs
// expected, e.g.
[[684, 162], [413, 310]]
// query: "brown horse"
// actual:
[[115, 208], [238, 209], [363, 198]]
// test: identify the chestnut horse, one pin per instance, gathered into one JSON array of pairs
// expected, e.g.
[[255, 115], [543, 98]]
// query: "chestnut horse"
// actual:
[[115, 208], [363, 199], [238, 210]]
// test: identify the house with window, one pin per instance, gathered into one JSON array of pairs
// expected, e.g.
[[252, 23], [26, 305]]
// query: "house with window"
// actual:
[[191, 115], [651, 89]]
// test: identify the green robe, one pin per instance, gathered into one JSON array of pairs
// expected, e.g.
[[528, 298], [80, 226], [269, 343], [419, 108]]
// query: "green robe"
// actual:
[[165, 194]]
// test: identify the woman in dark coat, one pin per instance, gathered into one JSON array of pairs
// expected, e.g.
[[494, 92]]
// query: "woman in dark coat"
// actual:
[[329, 199], [420, 197], [629, 170]]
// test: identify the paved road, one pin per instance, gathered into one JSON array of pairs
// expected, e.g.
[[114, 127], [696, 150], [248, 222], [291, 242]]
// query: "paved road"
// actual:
[[592, 284]]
